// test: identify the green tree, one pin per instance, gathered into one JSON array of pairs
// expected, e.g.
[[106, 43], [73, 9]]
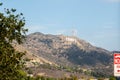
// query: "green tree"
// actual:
[[112, 78], [11, 29]]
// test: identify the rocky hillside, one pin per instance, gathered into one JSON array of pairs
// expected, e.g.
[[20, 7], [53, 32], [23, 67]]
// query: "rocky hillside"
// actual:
[[31, 58], [67, 50]]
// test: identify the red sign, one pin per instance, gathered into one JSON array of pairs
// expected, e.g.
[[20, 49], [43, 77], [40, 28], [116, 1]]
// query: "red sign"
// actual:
[[116, 64]]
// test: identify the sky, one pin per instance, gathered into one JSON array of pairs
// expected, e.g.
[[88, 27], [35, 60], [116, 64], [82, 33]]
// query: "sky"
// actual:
[[96, 21]]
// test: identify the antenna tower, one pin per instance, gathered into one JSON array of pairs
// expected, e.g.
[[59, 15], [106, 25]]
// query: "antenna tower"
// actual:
[[74, 32]]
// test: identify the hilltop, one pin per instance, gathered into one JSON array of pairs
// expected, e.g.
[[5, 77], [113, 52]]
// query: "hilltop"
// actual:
[[67, 51]]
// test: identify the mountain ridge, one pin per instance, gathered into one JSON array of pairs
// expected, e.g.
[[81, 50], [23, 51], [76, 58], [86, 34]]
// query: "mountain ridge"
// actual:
[[65, 52], [59, 48]]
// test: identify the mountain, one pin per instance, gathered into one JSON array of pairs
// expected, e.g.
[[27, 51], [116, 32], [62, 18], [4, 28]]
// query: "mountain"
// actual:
[[66, 50]]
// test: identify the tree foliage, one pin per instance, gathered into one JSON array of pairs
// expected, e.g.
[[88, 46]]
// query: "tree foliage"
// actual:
[[11, 29]]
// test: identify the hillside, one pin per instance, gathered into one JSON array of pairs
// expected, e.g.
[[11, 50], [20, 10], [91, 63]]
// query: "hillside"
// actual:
[[30, 58], [68, 51]]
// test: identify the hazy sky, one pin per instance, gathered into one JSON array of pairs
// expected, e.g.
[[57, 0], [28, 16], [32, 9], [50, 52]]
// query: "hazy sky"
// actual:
[[96, 21]]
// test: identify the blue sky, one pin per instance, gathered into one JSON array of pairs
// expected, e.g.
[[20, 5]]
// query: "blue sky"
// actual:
[[96, 21]]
